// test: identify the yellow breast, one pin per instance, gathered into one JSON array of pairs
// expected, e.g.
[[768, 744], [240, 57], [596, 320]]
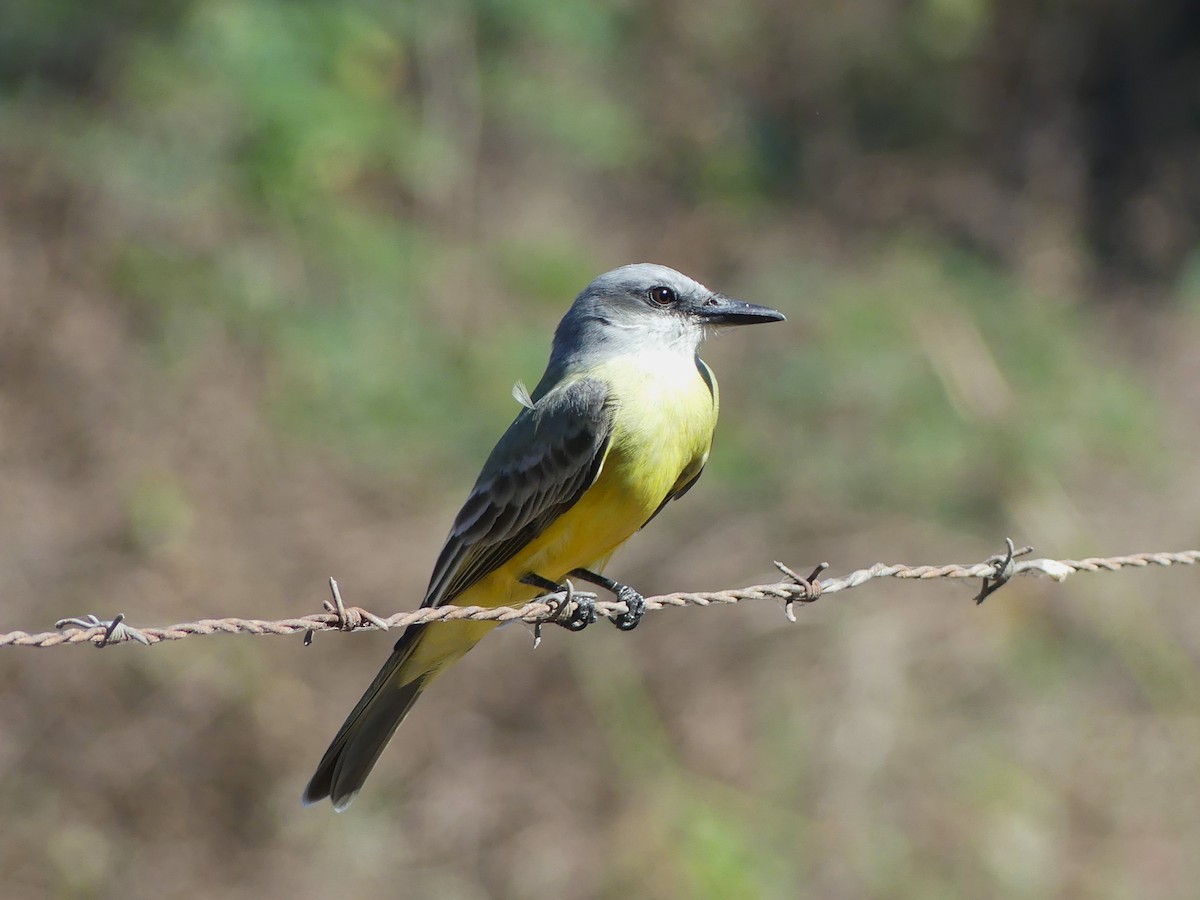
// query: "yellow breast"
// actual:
[[664, 411], [664, 415]]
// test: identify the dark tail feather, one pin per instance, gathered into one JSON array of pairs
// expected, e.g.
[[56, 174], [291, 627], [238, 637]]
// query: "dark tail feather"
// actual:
[[367, 729]]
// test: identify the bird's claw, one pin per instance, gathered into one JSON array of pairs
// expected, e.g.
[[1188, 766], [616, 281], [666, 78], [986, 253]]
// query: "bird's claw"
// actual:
[[636, 608], [582, 614]]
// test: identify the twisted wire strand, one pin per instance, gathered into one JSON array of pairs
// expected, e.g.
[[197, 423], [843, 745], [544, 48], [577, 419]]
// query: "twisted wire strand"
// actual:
[[998, 569]]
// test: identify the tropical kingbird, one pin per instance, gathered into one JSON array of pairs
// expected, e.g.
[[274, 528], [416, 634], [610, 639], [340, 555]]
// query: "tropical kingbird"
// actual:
[[620, 424]]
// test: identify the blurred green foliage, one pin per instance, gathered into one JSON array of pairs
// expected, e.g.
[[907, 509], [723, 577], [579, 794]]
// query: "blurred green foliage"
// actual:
[[916, 379]]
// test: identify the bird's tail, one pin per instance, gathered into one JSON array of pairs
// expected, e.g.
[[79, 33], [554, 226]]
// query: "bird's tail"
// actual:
[[414, 662]]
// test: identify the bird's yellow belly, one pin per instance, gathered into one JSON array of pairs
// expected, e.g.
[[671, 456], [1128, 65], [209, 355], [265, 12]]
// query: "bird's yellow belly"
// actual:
[[664, 429]]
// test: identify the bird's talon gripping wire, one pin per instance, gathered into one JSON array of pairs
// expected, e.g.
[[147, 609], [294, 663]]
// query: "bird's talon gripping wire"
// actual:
[[573, 612], [635, 608], [635, 603], [582, 606]]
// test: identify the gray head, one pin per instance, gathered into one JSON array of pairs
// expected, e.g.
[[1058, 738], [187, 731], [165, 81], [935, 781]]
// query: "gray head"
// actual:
[[646, 306]]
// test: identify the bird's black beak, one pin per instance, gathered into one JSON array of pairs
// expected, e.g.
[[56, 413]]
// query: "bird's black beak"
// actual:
[[720, 310]]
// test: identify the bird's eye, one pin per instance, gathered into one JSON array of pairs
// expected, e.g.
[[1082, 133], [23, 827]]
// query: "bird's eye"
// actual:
[[662, 296]]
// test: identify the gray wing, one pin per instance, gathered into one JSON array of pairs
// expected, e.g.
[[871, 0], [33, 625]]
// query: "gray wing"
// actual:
[[542, 465]]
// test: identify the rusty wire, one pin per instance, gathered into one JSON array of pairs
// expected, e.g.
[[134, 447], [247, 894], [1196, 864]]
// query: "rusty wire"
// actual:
[[994, 573]]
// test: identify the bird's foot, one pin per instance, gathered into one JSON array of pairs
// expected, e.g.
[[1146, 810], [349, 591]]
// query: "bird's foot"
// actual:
[[582, 606], [634, 602], [583, 611]]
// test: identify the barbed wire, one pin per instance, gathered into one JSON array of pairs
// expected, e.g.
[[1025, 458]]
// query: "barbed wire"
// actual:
[[994, 572]]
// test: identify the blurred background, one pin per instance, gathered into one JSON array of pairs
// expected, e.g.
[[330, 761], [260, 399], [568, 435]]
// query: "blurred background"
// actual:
[[268, 270]]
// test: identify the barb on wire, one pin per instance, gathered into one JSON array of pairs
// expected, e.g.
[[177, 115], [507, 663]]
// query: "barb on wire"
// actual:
[[114, 631], [348, 617], [810, 582], [1002, 570], [995, 572]]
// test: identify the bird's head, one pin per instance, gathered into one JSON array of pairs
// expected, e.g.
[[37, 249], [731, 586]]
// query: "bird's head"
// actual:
[[652, 307]]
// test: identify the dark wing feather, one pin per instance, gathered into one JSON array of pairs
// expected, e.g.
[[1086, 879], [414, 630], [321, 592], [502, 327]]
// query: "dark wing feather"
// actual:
[[542, 465]]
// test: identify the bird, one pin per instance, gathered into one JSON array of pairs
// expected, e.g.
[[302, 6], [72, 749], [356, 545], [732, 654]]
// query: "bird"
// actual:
[[620, 424]]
